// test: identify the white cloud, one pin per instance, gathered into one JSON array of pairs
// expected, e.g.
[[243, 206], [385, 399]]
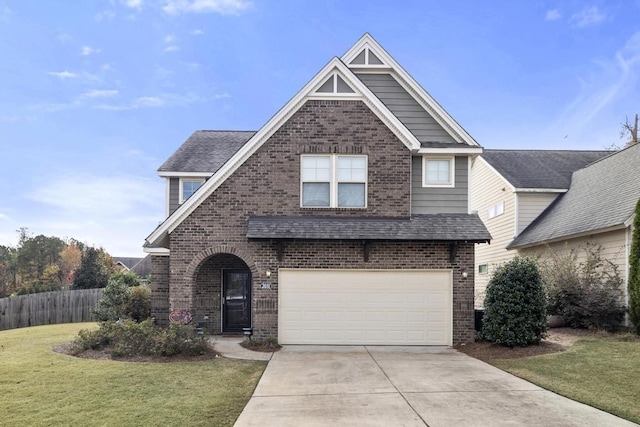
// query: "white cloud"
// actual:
[[63, 75], [222, 7], [603, 96], [5, 13], [171, 48], [587, 17], [164, 100], [134, 4], [3, 217], [116, 212], [9, 119], [552, 15], [105, 15], [88, 50], [197, 32], [97, 93]]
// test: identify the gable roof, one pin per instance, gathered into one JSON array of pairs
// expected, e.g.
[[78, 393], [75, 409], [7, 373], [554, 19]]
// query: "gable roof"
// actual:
[[143, 267], [441, 227], [540, 169], [411, 87], [602, 196], [127, 262], [205, 151], [314, 89]]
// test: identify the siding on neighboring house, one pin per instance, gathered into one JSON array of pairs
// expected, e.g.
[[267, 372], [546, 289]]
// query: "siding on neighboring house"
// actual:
[[174, 194], [429, 200], [406, 108], [494, 189], [614, 249], [530, 205]]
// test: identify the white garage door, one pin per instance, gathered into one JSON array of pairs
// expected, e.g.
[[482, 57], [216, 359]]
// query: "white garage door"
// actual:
[[375, 307]]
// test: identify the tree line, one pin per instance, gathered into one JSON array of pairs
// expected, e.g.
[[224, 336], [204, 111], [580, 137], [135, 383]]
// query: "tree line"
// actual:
[[46, 263]]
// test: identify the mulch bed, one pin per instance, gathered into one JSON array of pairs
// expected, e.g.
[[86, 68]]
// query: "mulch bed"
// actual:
[[67, 348]]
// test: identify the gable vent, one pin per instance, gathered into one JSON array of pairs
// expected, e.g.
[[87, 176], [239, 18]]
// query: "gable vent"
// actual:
[[366, 57], [335, 84]]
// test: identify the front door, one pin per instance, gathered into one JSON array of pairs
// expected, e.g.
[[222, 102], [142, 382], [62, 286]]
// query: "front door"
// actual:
[[236, 300]]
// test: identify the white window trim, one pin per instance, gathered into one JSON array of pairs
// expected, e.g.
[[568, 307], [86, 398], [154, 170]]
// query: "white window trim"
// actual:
[[452, 172], [183, 180], [480, 265], [333, 183], [498, 209]]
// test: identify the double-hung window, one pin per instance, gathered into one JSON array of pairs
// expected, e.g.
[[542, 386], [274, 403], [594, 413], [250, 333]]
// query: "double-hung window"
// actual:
[[438, 172], [188, 187], [333, 181]]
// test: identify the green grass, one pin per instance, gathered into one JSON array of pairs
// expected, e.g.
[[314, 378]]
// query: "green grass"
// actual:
[[601, 372], [40, 387]]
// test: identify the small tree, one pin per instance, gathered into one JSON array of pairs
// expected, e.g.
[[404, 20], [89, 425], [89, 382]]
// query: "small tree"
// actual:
[[634, 272], [120, 301], [91, 273], [515, 305]]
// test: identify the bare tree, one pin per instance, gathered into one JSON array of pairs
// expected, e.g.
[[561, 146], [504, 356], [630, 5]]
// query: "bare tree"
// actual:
[[630, 130]]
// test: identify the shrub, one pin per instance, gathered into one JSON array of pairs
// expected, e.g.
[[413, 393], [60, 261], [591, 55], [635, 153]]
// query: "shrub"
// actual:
[[634, 272], [515, 312], [587, 294], [129, 338], [121, 302]]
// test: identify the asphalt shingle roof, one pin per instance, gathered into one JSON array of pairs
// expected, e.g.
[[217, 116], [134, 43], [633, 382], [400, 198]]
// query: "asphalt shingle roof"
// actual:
[[601, 195], [448, 227], [206, 151], [540, 168]]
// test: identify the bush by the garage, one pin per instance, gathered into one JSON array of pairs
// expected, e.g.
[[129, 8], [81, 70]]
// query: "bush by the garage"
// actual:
[[515, 305]]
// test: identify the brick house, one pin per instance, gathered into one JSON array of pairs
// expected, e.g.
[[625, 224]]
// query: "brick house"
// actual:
[[344, 220]]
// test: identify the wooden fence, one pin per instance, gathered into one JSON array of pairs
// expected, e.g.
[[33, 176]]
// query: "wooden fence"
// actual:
[[48, 308]]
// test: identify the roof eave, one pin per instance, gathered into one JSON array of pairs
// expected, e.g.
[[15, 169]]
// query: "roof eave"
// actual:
[[515, 245]]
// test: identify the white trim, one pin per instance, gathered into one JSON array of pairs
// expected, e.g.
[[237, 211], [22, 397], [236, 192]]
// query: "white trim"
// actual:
[[540, 190], [157, 251], [469, 183], [167, 208], [452, 172], [424, 99], [481, 264], [333, 181], [569, 237], [181, 198], [451, 150], [260, 137], [517, 217], [185, 174], [629, 220]]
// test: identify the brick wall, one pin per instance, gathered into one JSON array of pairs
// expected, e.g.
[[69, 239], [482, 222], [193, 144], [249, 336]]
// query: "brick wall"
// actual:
[[268, 183], [160, 289]]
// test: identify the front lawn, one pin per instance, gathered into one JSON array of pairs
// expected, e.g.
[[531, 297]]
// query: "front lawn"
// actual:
[[603, 372], [40, 387]]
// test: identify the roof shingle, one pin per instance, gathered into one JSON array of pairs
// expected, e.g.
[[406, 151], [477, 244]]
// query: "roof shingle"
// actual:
[[443, 227], [206, 151], [540, 168], [601, 196]]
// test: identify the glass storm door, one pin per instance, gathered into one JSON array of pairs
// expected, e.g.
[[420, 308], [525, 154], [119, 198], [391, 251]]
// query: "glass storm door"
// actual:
[[236, 304]]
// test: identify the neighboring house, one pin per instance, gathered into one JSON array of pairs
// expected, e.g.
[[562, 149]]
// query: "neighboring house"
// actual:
[[143, 269], [598, 208], [125, 263], [343, 220], [511, 188]]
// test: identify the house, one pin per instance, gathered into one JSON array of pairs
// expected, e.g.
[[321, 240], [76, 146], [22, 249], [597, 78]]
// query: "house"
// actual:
[[511, 189], [125, 263], [598, 208], [143, 269], [343, 220]]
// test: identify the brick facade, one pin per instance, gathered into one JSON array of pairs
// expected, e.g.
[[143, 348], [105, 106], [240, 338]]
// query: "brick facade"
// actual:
[[268, 183]]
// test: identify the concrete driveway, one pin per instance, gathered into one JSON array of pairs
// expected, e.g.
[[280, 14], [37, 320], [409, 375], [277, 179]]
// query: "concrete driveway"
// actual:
[[403, 386]]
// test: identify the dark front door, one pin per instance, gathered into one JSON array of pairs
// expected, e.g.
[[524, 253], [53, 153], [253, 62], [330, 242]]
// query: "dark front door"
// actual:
[[236, 300]]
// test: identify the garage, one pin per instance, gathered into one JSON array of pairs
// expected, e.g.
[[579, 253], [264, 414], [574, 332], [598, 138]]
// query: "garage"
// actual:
[[365, 307]]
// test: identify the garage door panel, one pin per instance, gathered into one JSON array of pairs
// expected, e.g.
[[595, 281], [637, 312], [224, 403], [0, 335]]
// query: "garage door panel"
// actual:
[[400, 307]]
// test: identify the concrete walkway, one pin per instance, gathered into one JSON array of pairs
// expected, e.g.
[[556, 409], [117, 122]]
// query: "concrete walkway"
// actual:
[[230, 347], [403, 386]]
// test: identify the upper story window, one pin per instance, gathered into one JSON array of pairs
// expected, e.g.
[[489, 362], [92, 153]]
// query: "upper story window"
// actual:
[[188, 187], [438, 171], [333, 181], [495, 210]]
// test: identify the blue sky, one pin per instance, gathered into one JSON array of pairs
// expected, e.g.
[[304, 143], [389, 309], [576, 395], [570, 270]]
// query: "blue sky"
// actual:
[[95, 95]]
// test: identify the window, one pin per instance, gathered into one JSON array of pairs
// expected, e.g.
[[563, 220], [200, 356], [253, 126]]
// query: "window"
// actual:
[[495, 210], [483, 268], [188, 187], [438, 172], [334, 181]]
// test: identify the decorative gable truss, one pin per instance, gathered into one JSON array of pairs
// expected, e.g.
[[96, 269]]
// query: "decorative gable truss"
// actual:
[[336, 80]]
